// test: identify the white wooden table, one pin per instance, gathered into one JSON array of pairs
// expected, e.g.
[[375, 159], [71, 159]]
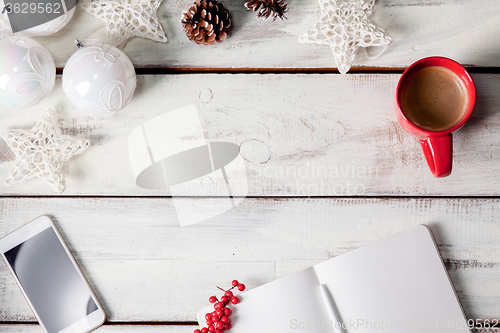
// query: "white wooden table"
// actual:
[[151, 275]]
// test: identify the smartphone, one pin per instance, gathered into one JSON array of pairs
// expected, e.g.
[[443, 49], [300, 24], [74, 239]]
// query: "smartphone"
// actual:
[[50, 279]]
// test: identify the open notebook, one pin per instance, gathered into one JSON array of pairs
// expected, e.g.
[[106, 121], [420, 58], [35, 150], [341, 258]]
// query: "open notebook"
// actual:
[[397, 284]]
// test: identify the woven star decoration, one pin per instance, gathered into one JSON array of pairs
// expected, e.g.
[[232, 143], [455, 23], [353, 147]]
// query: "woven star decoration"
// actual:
[[128, 18], [345, 27], [42, 152]]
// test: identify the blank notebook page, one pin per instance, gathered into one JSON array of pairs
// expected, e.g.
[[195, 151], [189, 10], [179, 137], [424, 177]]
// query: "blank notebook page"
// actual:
[[398, 284], [280, 306]]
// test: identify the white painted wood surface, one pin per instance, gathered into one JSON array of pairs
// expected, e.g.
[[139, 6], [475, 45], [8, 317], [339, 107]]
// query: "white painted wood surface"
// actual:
[[302, 135], [32, 328], [467, 30], [328, 135], [147, 329], [145, 268]]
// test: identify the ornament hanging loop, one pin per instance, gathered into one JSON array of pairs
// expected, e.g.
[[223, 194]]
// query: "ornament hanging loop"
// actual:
[[378, 54]]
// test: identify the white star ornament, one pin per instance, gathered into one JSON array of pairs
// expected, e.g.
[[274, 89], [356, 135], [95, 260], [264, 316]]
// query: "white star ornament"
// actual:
[[42, 152], [128, 18], [344, 26]]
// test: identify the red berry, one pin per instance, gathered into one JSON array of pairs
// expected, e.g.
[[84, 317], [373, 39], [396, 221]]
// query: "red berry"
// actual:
[[212, 299], [235, 283], [211, 328], [235, 300], [227, 326], [218, 331], [224, 319], [210, 321], [204, 330], [219, 325], [229, 294], [241, 287], [197, 331], [224, 299], [208, 316], [227, 311], [220, 312], [215, 319], [218, 305]]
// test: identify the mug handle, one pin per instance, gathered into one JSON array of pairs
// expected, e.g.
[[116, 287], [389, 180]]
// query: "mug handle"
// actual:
[[438, 151]]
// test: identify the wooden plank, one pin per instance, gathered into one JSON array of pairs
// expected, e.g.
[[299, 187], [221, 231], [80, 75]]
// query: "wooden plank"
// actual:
[[33, 328], [148, 329], [326, 135], [145, 268], [467, 31]]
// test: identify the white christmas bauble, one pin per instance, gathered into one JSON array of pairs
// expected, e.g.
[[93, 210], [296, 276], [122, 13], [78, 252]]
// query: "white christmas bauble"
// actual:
[[51, 27], [99, 79], [27, 72], [43, 14]]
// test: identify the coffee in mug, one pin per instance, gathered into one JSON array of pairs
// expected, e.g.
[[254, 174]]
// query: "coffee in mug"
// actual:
[[435, 98]]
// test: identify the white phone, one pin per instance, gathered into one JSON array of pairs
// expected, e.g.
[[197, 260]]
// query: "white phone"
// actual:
[[50, 279]]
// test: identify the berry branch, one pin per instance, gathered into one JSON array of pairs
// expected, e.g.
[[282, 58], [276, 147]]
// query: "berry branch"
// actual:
[[218, 321]]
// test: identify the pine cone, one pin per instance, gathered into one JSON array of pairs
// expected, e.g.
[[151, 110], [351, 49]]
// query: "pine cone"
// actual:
[[266, 8], [206, 22]]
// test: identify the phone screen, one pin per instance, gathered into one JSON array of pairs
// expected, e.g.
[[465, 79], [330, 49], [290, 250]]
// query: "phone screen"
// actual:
[[50, 280]]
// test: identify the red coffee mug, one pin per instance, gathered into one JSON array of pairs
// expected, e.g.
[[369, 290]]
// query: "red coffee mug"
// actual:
[[437, 145]]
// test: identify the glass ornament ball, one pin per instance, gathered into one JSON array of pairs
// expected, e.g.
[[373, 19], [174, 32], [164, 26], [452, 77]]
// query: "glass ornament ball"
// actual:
[[44, 17], [99, 79], [27, 72], [51, 27]]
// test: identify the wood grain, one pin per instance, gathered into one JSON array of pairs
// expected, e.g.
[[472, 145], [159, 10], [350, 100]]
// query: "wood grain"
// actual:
[[149, 329], [35, 328], [326, 135], [145, 268], [468, 31], [302, 136]]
